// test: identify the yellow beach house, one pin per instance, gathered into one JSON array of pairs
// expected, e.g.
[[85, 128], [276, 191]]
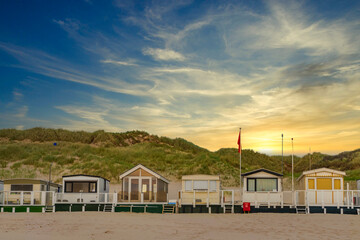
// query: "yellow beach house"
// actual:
[[200, 189], [22, 191], [322, 186]]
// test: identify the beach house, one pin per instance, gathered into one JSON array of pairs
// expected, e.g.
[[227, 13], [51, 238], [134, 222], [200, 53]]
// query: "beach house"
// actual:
[[81, 188], [200, 189], [141, 184], [262, 187], [22, 191], [322, 186]]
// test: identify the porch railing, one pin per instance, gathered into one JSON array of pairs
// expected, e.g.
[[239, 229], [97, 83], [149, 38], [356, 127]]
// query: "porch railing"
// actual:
[[86, 197], [339, 198], [27, 198]]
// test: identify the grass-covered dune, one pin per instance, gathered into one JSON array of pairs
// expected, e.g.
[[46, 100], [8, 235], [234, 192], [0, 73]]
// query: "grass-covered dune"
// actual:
[[29, 153]]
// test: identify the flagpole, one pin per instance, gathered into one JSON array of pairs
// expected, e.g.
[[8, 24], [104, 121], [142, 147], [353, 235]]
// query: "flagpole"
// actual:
[[240, 159], [292, 165], [282, 153]]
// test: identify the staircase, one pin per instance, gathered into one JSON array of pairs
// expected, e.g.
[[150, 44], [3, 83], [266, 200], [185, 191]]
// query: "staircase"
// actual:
[[228, 209], [301, 210], [168, 208], [108, 208], [49, 208]]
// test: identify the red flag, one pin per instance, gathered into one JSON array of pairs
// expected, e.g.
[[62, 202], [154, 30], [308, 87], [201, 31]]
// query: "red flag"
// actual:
[[239, 142]]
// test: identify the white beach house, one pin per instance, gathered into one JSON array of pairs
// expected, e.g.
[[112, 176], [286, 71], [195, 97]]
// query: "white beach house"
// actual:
[[262, 187], [83, 188]]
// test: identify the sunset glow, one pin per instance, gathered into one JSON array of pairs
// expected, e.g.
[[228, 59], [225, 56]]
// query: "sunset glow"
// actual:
[[198, 70]]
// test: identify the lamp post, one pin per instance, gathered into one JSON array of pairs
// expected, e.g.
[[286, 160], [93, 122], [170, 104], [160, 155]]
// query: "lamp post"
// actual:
[[48, 187]]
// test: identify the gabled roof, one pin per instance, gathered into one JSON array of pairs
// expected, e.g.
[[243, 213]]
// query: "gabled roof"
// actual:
[[262, 170], [144, 168], [84, 175], [314, 171]]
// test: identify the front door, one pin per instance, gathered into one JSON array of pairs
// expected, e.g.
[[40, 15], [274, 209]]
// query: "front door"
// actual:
[[146, 188], [134, 190]]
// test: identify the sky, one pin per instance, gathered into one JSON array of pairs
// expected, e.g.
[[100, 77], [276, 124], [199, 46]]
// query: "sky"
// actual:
[[198, 70]]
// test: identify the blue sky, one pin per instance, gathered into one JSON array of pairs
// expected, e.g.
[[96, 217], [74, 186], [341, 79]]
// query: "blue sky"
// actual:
[[192, 69]]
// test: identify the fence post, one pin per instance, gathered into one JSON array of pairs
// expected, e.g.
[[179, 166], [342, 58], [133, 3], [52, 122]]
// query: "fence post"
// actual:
[[222, 198], [21, 198], [43, 198], [268, 199], [322, 198], [255, 198], [352, 199], [232, 197], [31, 198]]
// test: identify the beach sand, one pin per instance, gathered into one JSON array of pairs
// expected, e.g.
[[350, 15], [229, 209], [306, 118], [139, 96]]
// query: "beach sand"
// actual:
[[99, 225]]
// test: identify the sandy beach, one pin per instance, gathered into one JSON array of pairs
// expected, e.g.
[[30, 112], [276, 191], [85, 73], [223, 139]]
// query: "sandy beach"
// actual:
[[94, 225]]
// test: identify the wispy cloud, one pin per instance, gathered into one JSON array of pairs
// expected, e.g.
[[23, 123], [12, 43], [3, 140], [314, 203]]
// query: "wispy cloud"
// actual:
[[47, 65], [119, 62], [163, 54], [281, 68]]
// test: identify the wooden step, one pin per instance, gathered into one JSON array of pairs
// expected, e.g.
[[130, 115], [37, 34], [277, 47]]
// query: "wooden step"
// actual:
[[49, 208], [301, 210], [168, 209], [228, 209], [108, 208]]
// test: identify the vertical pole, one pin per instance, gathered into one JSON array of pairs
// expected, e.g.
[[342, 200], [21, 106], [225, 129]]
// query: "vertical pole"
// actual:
[[282, 153], [310, 157], [292, 165], [239, 143]]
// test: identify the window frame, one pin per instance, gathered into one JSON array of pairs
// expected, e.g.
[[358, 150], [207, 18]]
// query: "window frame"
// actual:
[[31, 185], [255, 187], [201, 189], [72, 186]]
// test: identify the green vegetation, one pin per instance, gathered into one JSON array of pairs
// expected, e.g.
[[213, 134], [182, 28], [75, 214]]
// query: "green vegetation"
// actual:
[[29, 153]]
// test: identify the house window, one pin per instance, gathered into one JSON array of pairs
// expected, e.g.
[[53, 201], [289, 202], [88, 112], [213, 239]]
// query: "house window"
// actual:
[[251, 185], [104, 185], [68, 187], [212, 186], [92, 187], [337, 184], [266, 185], [22, 187], [83, 187], [188, 185], [262, 185], [200, 185]]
